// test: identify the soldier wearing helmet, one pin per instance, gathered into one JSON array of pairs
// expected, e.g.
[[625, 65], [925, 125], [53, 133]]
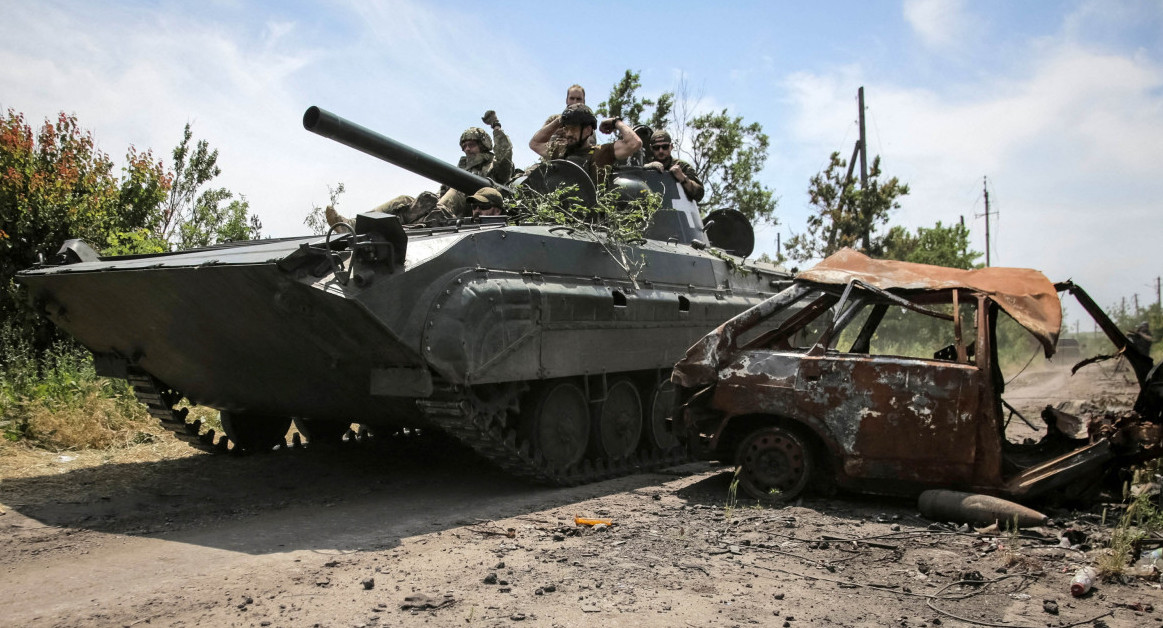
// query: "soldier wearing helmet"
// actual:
[[484, 156], [574, 128], [479, 158], [661, 147]]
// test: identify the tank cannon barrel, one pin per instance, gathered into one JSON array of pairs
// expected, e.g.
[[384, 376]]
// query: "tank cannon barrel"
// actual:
[[348, 133]]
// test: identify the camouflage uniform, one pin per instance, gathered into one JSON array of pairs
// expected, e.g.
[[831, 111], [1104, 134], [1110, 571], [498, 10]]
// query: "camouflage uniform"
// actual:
[[697, 192], [495, 161], [595, 160]]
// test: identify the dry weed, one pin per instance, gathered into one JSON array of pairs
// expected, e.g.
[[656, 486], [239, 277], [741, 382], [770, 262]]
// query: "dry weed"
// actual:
[[90, 421]]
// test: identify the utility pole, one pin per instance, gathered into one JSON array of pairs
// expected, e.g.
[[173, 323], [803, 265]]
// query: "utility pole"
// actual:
[[863, 144], [1136, 304], [985, 191], [1158, 294], [857, 150]]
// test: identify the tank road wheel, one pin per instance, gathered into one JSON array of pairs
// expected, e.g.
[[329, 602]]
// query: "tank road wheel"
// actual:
[[618, 421], [255, 432], [659, 428], [776, 463], [557, 422], [320, 432]]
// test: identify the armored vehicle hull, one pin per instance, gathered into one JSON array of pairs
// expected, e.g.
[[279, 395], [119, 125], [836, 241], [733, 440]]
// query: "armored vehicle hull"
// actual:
[[527, 342]]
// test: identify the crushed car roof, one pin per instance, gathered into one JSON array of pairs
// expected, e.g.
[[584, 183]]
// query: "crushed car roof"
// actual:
[[1025, 294]]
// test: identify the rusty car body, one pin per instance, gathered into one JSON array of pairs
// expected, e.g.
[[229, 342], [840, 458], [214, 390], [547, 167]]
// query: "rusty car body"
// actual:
[[807, 389]]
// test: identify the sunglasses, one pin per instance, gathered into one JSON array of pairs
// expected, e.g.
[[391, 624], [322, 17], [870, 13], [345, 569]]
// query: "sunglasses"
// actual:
[[660, 146]]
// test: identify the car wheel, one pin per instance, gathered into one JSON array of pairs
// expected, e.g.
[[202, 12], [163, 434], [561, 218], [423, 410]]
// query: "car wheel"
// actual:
[[776, 464]]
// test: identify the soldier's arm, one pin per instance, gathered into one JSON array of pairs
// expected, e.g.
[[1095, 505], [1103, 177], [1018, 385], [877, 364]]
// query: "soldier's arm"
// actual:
[[503, 152], [692, 186], [627, 143], [540, 142]]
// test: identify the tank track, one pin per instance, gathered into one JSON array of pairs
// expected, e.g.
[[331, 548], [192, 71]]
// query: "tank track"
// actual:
[[483, 428], [160, 400]]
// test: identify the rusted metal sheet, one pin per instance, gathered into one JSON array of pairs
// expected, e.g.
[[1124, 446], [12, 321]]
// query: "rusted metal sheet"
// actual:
[[1025, 294]]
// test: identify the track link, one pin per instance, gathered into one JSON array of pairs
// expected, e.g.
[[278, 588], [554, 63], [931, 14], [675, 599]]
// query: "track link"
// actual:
[[457, 415], [160, 400]]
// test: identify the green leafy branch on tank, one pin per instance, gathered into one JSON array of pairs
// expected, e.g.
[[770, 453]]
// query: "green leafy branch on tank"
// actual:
[[615, 223]]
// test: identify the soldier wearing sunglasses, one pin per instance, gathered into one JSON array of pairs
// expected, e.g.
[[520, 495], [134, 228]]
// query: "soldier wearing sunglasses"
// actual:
[[660, 147]]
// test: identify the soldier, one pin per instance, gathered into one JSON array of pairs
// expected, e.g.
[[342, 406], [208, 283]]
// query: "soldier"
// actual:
[[479, 159], [575, 95], [576, 125], [661, 146], [486, 202]]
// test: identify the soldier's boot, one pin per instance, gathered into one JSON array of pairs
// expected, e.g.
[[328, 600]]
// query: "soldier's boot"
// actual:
[[333, 217]]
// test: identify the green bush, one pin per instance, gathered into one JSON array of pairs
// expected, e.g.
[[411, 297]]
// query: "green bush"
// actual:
[[57, 401]]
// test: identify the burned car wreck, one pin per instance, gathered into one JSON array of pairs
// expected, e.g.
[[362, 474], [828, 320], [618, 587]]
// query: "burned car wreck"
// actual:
[[835, 382]]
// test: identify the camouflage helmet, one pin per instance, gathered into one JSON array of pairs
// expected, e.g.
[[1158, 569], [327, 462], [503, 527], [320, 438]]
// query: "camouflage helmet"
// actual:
[[660, 137], [578, 115], [479, 136]]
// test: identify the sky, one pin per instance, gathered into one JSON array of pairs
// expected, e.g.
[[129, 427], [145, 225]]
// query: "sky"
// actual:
[[1058, 105]]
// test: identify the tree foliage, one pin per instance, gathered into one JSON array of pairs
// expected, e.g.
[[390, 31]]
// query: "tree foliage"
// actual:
[[194, 214], [845, 215], [616, 224], [56, 185], [728, 155], [938, 245], [624, 102]]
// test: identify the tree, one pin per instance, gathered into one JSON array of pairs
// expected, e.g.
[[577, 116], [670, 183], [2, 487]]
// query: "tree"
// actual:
[[56, 185], [846, 216], [625, 103], [193, 216], [938, 245], [727, 153]]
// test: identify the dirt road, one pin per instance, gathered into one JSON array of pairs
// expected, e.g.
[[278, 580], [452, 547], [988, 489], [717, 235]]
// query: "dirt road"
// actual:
[[346, 537]]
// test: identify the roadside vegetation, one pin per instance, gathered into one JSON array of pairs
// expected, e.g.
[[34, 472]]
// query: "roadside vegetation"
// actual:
[[55, 185]]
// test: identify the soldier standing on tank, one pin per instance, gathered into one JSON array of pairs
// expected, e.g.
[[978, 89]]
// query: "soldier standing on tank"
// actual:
[[577, 125], [661, 147]]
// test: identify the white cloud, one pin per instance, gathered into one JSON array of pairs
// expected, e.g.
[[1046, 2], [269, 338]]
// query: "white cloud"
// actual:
[[1071, 149], [939, 23], [243, 77]]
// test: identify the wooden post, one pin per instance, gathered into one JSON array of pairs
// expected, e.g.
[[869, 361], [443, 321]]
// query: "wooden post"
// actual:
[[862, 146]]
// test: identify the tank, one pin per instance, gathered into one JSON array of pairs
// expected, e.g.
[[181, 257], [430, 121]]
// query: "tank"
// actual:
[[526, 342]]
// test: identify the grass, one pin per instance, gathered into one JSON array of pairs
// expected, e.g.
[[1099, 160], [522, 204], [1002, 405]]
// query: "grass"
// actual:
[[1141, 519], [57, 401], [732, 495]]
